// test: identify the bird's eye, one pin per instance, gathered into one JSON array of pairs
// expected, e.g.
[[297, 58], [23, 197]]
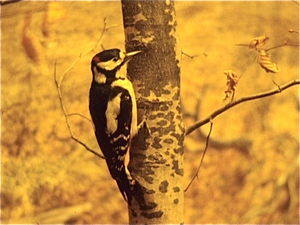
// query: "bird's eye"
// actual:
[[115, 59]]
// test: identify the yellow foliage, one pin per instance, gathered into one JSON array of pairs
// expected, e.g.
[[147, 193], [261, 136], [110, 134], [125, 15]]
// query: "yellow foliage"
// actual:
[[42, 169]]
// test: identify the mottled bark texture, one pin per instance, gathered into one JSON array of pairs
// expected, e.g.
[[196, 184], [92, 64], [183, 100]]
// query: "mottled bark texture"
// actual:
[[157, 153]]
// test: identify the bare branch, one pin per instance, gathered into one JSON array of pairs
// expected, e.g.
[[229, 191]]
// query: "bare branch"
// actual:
[[205, 149], [277, 46], [237, 102], [190, 56], [67, 117], [284, 44], [244, 45], [58, 87], [242, 144], [78, 114]]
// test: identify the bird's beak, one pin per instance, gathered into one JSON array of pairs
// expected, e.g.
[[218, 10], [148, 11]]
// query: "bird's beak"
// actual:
[[129, 55]]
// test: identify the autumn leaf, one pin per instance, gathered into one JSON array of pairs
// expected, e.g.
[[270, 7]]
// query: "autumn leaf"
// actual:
[[264, 60], [258, 42], [231, 83]]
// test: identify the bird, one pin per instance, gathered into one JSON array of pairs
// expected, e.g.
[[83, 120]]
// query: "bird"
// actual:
[[113, 110]]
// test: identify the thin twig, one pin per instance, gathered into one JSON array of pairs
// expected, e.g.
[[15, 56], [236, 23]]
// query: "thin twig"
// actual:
[[242, 144], [78, 114], [204, 54], [244, 45], [278, 86], [190, 56], [58, 87], [205, 149], [237, 102], [67, 117], [284, 44], [277, 46], [246, 66]]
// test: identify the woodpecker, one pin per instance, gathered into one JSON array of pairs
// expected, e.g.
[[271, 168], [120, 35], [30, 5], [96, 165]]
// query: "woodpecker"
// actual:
[[113, 110]]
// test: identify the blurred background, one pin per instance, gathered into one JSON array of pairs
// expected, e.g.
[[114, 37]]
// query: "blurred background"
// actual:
[[250, 173]]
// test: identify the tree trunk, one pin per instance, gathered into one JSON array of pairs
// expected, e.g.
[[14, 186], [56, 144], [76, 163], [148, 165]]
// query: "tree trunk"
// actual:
[[157, 153]]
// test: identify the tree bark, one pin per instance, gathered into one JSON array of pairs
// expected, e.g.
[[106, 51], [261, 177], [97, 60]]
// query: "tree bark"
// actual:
[[157, 152]]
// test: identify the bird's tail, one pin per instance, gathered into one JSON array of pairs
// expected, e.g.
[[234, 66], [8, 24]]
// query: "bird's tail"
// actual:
[[129, 188], [125, 184]]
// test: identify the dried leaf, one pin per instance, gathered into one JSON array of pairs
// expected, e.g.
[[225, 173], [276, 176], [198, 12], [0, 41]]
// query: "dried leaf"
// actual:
[[264, 60], [231, 83], [258, 42]]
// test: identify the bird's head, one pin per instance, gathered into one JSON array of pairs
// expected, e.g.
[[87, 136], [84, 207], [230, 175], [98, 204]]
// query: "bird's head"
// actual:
[[108, 62]]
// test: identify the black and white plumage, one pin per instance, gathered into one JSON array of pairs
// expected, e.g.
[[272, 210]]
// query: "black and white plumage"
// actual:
[[113, 111]]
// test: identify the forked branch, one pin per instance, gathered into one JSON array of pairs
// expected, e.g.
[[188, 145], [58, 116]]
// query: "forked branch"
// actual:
[[58, 83], [67, 117]]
